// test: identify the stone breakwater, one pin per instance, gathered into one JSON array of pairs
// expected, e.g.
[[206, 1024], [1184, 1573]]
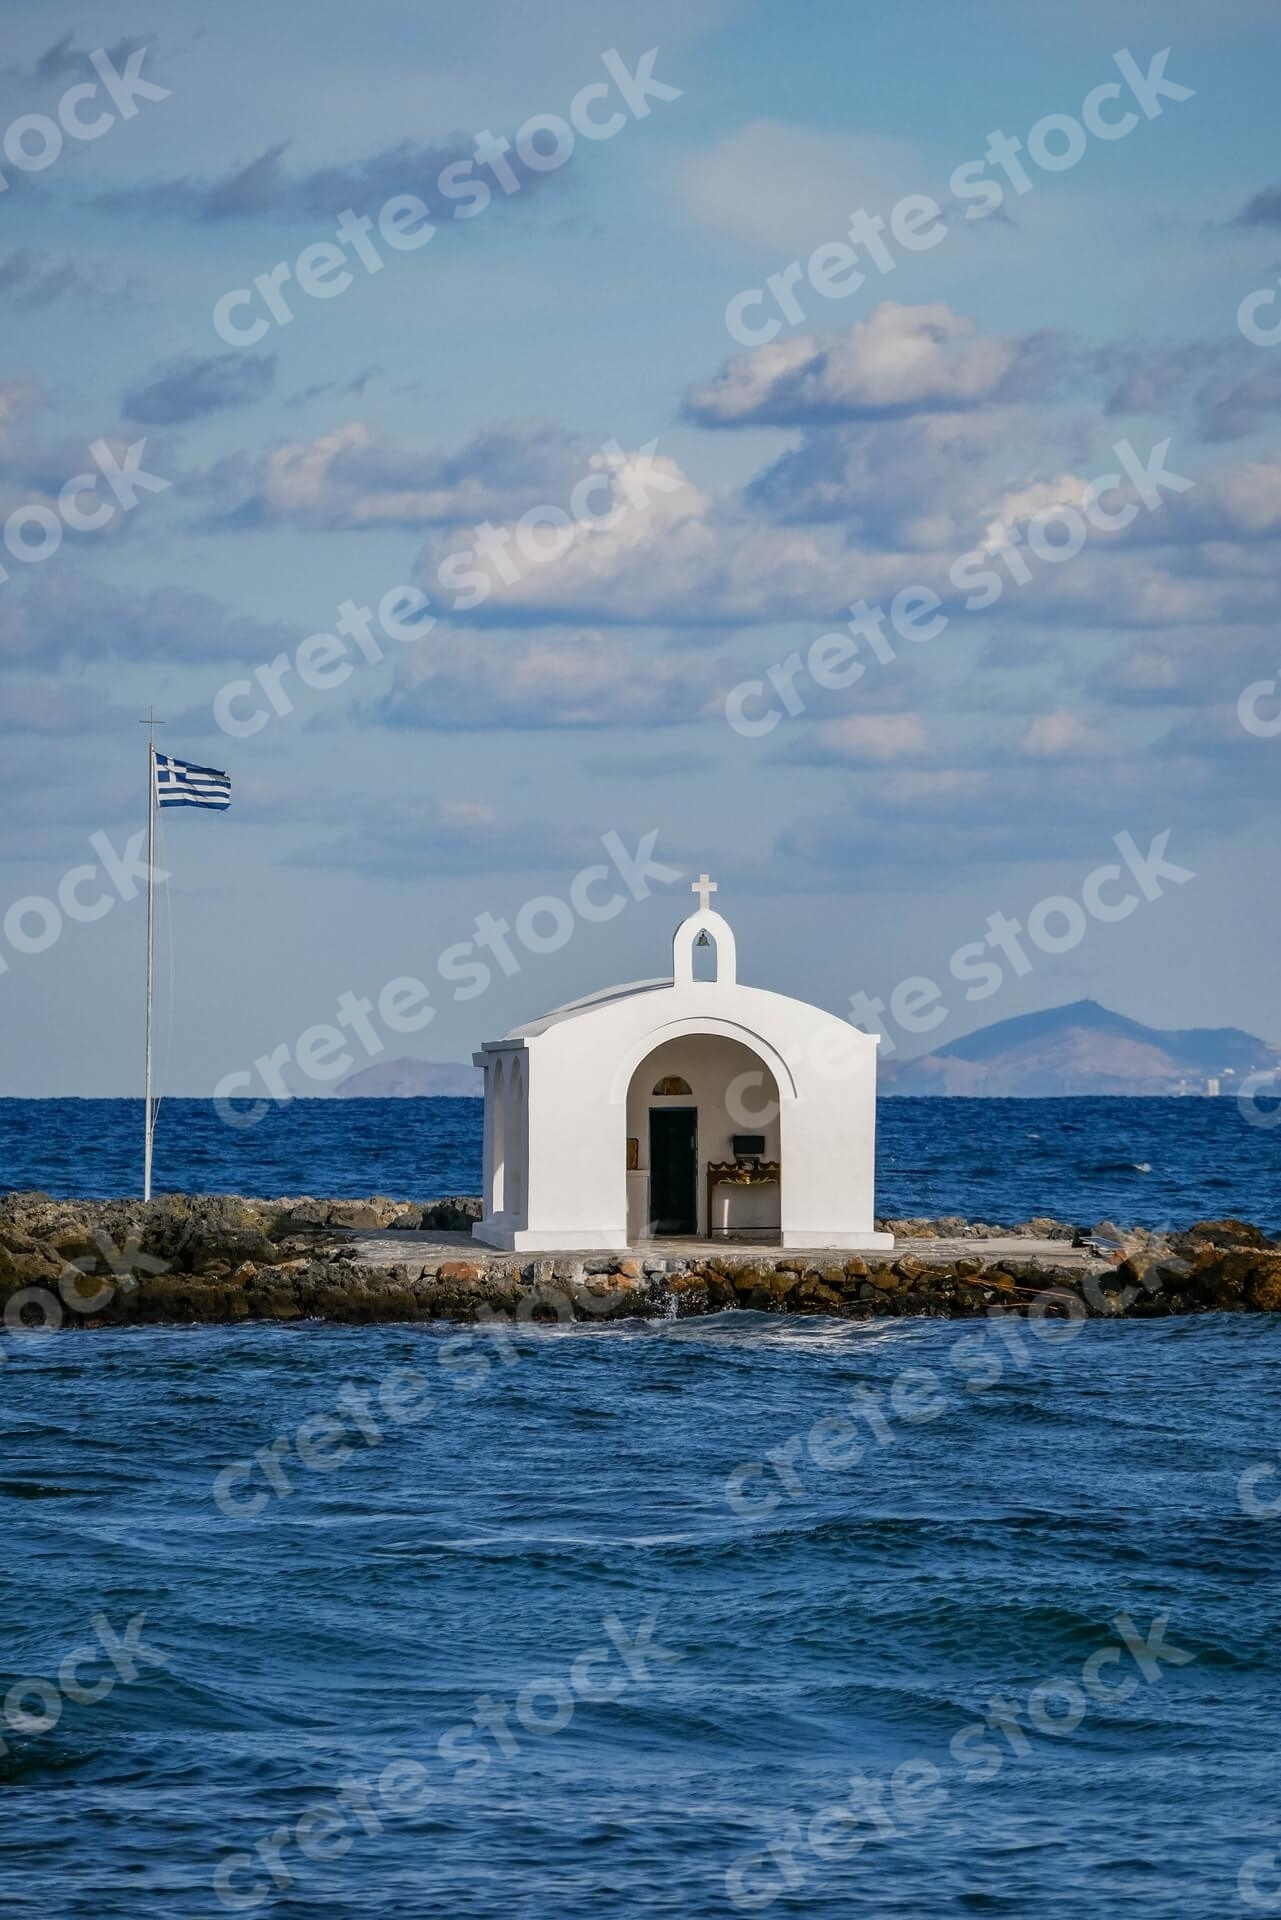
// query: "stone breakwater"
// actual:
[[188, 1259]]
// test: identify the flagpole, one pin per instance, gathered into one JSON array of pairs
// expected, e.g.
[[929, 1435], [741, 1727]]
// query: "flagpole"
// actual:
[[186, 785], [151, 723]]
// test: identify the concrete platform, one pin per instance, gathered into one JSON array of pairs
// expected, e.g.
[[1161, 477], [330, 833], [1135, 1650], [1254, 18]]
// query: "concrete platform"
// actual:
[[386, 1245]]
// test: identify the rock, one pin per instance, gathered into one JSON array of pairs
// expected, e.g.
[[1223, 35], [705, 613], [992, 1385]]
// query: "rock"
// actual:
[[1229, 1277], [455, 1215], [360, 1213], [746, 1274], [205, 1258], [1141, 1269], [1265, 1292], [27, 1266], [308, 1213], [467, 1271], [689, 1291], [1227, 1233], [817, 1298], [1043, 1227]]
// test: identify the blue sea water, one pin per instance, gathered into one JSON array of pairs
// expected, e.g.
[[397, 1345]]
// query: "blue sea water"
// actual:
[[844, 1602], [844, 1621], [1137, 1162]]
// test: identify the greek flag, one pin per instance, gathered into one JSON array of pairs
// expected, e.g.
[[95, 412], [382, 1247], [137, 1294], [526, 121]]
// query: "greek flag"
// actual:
[[180, 784]]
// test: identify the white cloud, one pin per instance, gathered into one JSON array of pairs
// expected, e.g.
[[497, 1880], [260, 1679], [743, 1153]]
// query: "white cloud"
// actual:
[[899, 360], [687, 559], [1244, 501], [584, 680], [19, 399], [1187, 668], [787, 188], [1061, 736], [1022, 502], [353, 478], [870, 739], [413, 833], [691, 559], [63, 613], [924, 483]]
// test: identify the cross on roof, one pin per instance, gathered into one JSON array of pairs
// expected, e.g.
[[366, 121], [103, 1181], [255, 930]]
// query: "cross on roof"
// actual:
[[704, 888]]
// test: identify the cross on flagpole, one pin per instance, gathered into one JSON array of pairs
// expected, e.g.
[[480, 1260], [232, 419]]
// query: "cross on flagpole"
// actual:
[[704, 888], [150, 722]]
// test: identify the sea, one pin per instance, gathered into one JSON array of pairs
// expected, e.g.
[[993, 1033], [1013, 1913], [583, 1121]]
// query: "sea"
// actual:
[[1142, 1162], [730, 1615]]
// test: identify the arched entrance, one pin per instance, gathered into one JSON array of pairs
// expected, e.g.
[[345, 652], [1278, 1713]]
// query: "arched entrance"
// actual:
[[703, 1143]]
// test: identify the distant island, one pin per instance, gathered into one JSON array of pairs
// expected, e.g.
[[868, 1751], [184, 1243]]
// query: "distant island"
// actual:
[[1083, 1049], [413, 1080], [1078, 1049]]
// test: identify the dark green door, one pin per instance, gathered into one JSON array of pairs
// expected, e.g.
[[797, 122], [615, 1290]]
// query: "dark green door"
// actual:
[[673, 1170]]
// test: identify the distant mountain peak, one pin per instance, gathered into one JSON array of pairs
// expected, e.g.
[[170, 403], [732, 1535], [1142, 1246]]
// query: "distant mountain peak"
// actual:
[[1083, 1048]]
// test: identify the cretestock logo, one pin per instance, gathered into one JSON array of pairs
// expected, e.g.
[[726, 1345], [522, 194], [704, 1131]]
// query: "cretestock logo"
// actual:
[[1055, 925], [543, 1707], [126, 479], [123, 1654], [832, 663], [123, 89], [1054, 144], [404, 1004], [1053, 1710], [542, 535], [1262, 726], [35, 1313], [320, 271], [33, 923], [1248, 321]]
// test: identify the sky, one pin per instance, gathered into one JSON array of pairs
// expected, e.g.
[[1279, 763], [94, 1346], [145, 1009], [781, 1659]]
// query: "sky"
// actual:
[[522, 412]]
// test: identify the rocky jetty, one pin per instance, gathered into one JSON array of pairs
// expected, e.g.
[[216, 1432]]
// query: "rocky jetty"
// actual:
[[206, 1259]]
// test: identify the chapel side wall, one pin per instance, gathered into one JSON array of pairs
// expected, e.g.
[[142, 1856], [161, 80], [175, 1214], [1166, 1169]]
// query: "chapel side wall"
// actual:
[[829, 1151], [577, 1143]]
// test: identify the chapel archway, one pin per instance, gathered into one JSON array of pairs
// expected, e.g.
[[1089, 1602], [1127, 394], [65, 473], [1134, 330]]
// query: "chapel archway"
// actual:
[[703, 1142]]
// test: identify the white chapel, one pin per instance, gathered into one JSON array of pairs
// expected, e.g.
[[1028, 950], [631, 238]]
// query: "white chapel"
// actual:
[[689, 1108]]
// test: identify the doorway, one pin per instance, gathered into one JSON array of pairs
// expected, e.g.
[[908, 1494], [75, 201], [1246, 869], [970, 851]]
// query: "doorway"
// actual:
[[673, 1170]]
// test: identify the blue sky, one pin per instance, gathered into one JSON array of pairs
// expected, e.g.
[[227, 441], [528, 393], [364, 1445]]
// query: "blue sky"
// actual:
[[476, 377]]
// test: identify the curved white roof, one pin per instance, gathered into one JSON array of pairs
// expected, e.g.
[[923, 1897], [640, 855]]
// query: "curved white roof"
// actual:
[[588, 1004]]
